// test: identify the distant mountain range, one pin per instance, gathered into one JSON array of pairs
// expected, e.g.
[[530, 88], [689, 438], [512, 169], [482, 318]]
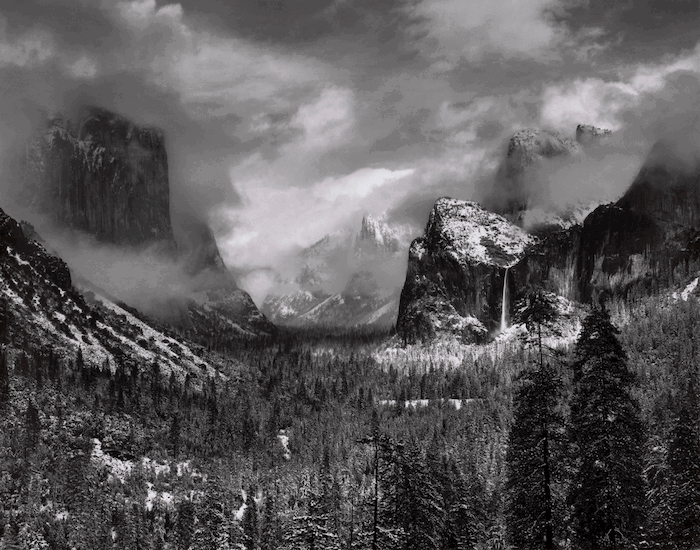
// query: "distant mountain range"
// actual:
[[346, 279]]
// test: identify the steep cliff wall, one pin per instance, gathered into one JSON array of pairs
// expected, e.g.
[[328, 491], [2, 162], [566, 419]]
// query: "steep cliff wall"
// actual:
[[648, 240], [105, 176], [455, 276], [108, 177]]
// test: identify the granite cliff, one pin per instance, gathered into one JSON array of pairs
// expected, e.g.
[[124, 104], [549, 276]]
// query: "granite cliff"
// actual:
[[647, 240], [107, 177], [102, 175]]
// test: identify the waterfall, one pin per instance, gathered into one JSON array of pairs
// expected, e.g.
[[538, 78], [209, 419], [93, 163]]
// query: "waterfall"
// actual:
[[504, 302]]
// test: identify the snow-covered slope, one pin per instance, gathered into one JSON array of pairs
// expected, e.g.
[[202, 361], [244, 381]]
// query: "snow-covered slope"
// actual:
[[42, 310]]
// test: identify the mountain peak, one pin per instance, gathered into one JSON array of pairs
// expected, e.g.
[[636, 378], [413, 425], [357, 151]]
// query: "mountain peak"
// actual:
[[586, 133], [377, 234], [531, 144]]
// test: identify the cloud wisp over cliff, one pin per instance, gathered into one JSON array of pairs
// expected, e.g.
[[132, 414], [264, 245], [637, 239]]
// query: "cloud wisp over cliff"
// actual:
[[286, 121]]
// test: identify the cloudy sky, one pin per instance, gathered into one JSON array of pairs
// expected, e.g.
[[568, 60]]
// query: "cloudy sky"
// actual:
[[288, 119]]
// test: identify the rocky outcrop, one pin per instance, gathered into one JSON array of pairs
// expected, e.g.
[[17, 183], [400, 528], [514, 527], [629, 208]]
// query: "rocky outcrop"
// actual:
[[511, 191], [666, 189], [521, 191], [14, 240], [455, 276], [104, 176], [376, 238], [648, 240], [586, 134]]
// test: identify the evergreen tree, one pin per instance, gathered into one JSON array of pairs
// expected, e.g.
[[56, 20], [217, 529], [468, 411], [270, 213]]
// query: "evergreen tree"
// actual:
[[269, 528], [212, 528], [174, 434], [607, 435], [412, 500], [534, 449], [684, 470], [32, 427], [250, 521], [4, 381], [10, 538], [184, 525], [536, 437], [310, 531]]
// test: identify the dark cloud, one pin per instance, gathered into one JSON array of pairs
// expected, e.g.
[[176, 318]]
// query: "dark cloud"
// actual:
[[294, 22], [640, 30]]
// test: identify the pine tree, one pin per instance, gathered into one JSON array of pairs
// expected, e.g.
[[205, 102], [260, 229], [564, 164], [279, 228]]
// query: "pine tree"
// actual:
[[4, 381], [684, 470], [269, 528], [310, 531], [32, 427], [606, 432], [250, 521], [184, 525], [212, 527], [174, 434], [10, 538], [412, 500], [535, 446], [536, 438]]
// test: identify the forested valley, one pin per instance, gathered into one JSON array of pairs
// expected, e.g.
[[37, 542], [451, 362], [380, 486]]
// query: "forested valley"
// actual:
[[315, 444]]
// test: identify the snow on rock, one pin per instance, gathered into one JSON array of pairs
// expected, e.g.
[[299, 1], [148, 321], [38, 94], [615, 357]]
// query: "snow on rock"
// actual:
[[284, 441], [476, 236], [689, 290], [451, 352], [120, 469]]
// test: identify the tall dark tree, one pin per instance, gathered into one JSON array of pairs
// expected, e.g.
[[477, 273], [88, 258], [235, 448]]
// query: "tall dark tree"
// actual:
[[4, 381], [413, 504], [270, 525], [535, 448], [684, 472], [607, 435], [250, 521], [536, 439], [185, 524], [32, 427]]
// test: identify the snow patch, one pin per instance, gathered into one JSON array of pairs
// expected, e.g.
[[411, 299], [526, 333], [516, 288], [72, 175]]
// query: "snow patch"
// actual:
[[284, 441], [475, 235]]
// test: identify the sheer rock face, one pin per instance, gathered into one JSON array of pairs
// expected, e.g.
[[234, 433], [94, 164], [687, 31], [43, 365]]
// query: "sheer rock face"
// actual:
[[585, 133], [648, 240], [455, 277], [511, 192], [517, 187], [107, 177], [667, 189]]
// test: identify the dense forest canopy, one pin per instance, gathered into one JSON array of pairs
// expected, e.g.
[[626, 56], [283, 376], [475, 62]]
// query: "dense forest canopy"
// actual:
[[316, 444]]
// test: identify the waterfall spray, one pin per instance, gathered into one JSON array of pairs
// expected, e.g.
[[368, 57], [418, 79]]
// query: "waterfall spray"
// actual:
[[504, 302]]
